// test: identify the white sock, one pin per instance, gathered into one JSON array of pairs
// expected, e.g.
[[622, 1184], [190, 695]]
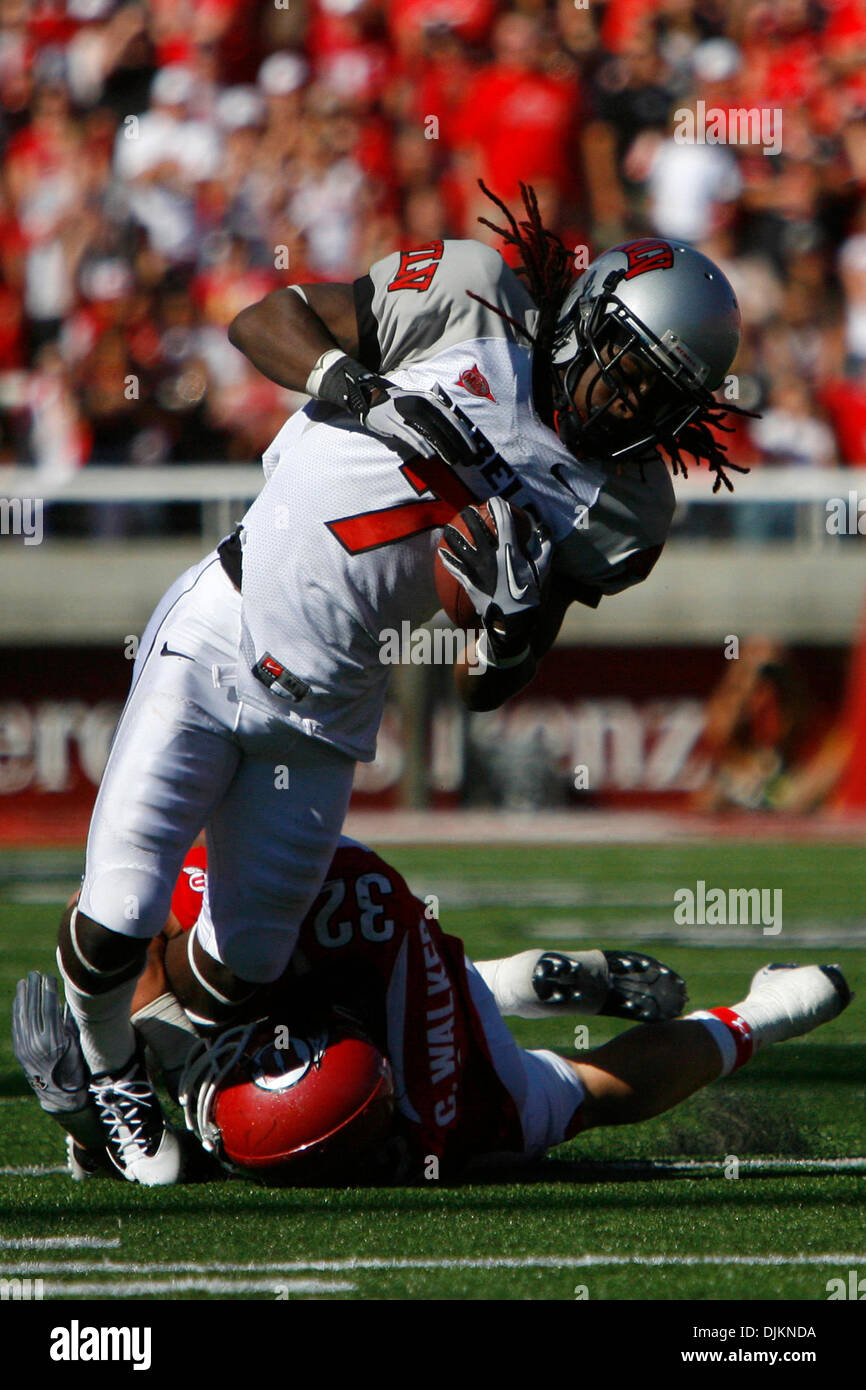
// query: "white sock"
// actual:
[[107, 1038], [510, 982], [781, 1004], [165, 1027], [745, 1028]]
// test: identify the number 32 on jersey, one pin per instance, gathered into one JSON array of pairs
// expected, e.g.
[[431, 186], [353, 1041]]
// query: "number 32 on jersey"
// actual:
[[367, 910]]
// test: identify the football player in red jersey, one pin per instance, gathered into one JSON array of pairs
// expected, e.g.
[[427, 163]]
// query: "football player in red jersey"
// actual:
[[377, 996]]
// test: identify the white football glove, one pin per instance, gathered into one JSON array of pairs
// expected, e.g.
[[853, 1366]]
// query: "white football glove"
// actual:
[[502, 579]]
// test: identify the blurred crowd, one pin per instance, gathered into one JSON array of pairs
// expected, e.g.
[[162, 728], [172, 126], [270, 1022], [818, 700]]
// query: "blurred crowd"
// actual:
[[166, 163]]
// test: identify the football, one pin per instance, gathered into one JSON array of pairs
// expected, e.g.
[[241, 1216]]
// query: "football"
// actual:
[[452, 596]]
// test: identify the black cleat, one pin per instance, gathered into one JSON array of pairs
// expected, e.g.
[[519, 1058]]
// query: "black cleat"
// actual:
[[619, 984], [138, 1141]]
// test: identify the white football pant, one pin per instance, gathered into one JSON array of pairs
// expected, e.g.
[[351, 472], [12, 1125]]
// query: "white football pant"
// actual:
[[188, 754]]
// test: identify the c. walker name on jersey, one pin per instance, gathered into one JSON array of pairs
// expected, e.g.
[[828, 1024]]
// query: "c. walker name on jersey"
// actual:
[[417, 267], [440, 1034]]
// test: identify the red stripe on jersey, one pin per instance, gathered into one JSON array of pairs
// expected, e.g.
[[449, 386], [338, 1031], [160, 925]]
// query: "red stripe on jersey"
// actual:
[[740, 1032], [369, 530], [415, 482], [442, 480]]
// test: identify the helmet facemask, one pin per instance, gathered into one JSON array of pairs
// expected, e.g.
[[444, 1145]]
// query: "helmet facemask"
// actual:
[[645, 389]]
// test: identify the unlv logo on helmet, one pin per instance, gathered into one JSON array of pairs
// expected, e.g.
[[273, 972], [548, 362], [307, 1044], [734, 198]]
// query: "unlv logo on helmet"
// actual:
[[646, 255], [197, 877], [273, 1068]]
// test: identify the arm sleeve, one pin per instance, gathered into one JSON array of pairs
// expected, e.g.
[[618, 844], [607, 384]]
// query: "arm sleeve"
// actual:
[[414, 304]]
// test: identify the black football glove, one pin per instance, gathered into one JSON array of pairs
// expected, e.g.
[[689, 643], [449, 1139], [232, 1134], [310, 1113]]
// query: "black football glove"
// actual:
[[417, 419], [502, 578]]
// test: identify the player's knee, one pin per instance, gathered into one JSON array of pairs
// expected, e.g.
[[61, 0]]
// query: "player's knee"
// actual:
[[600, 1110], [94, 958], [216, 976], [608, 1099], [210, 992], [129, 900], [259, 957], [257, 954]]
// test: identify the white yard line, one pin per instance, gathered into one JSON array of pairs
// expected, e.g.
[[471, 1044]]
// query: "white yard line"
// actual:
[[134, 1288], [59, 1243], [355, 1264], [835, 936], [29, 1171], [662, 1165], [687, 1165]]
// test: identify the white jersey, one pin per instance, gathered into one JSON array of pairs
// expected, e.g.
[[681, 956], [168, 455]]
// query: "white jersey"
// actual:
[[339, 546]]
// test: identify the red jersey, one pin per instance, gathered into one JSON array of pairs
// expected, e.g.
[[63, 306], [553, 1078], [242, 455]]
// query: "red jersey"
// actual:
[[367, 926]]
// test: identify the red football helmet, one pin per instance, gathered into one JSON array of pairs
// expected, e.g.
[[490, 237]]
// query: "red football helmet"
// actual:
[[297, 1107]]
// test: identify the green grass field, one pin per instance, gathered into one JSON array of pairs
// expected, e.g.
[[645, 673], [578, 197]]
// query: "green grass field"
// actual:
[[635, 1213]]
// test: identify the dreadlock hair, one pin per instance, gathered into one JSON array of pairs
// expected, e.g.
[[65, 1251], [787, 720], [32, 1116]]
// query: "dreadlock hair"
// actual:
[[547, 266], [697, 439]]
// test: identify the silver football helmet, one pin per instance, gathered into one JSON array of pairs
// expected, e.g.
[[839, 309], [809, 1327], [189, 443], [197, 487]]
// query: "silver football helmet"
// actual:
[[661, 324]]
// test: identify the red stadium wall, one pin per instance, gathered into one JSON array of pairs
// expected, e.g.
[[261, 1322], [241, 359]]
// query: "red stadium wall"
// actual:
[[634, 716]]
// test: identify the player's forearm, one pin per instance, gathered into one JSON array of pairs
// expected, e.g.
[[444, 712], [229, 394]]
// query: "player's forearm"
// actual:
[[284, 336], [493, 686], [489, 688]]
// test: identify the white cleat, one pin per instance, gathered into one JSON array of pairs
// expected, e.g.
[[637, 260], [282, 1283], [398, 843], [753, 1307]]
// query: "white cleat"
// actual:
[[139, 1143], [793, 999]]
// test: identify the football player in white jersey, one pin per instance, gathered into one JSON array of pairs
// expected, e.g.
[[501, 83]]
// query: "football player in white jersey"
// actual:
[[439, 378]]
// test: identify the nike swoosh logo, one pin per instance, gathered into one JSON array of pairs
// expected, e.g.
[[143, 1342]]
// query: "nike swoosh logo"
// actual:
[[166, 651], [517, 592]]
